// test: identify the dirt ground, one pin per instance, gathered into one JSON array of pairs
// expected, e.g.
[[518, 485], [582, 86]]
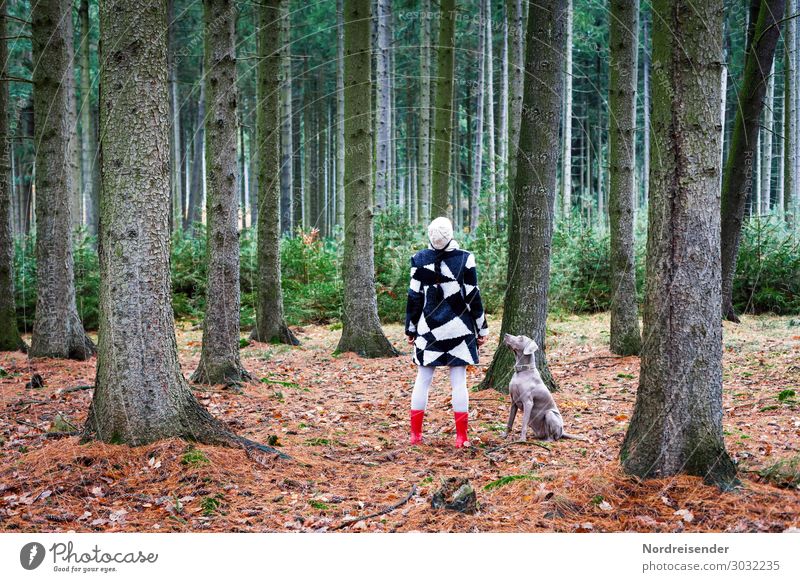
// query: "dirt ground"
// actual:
[[343, 420]]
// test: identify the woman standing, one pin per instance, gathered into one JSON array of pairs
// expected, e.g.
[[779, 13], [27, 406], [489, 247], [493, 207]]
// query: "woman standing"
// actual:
[[444, 322]]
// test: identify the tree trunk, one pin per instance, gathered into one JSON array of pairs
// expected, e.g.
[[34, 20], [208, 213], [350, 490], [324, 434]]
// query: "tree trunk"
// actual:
[[646, 108], [766, 145], [219, 357], [194, 212], [739, 168], [623, 40], [790, 125], [297, 162], [340, 114], [91, 196], [502, 154], [532, 207], [286, 122], [491, 202], [140, 394], [443, 112], [270, 326], [57, 329], [361, 328], [566, 160], [10, 339], [517, 82], [175, 114], [424, 169], [480, 104], [676, 425], [383, 114]]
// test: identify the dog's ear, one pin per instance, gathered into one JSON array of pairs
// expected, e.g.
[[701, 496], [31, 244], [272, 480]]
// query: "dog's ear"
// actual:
[[530, 348]]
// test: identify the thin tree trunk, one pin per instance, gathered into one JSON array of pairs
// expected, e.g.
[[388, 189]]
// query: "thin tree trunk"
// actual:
[[383, 113], [57, 329], [443, 111], [790, 125], [646, 109], [270, 325], [242, 176], [623, 41], [219, 356], [90, 194], [286, 122], [175, 113], [676, 426], [297, 162], [361, 328], [10, 339], [477, 160], [194, 212], [340, 115], [766, 139], [517, 84], [424, 169], [491, 206], [532, 207], [739, 168], [502, 154], [566, 159]]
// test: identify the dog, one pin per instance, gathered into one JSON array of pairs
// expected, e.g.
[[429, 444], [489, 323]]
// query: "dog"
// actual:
[[529, 394]]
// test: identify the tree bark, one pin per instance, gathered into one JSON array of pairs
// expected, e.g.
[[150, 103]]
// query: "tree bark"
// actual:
[[340, 114], [477, 146], [566, 160], [443, 112], [676, 425], [424, 169], [736, 181], [623, 40], [194, 211], [270, 325], [532, 207], [10, 339], [383, 105], [766, 145], [57, 329], [646, 109], [91, 196], [491, 202], [361, 328], [219, 356], [286, 122], [790, 118], [517, 85], [176, 172], [502, 150]]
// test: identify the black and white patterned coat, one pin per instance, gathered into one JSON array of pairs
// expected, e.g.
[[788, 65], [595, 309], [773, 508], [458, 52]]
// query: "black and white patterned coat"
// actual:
[[444, 312]]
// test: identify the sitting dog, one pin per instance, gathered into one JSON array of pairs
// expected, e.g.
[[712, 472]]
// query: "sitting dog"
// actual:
[[529, 394]]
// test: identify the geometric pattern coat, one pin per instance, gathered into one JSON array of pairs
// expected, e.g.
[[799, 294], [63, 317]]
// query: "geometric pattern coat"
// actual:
[[444, 312]]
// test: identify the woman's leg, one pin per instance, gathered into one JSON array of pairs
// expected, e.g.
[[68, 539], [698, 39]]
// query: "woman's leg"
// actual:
[[458, 383], [419, 396]]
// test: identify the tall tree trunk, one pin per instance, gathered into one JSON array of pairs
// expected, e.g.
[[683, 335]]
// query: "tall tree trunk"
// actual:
[[491, 205], [766, 145], [480, 104], [790, 118], [270, 325], [243, 184], [194, 212], [443, 111], [739, 168], [10, 339], [646, 108], [57, 329], [532, 207], [340, 114], [219, 356], [383, 114], [502, 154], [26, 167], [140, 394], [320, 115], [91, 196], [176, 172], [624, 41], [566, 159], [517, 84], [676, 425], [286, 122], [424, 169], [297, 162], [361, 328]]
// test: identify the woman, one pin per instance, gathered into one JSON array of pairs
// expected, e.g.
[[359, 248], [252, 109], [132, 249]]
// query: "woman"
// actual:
[[444, 322]]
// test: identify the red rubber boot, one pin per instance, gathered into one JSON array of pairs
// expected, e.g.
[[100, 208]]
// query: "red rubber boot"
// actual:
[[416, 426], [461, 429]]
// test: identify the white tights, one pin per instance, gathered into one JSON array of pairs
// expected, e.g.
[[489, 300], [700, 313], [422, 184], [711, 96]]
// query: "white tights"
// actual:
[[458, 382]]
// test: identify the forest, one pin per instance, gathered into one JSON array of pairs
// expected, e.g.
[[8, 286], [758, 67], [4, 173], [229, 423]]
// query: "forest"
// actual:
[[207, 211]]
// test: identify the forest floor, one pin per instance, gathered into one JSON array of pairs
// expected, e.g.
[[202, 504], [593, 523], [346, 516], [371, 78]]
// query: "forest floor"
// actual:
[[344, 421]]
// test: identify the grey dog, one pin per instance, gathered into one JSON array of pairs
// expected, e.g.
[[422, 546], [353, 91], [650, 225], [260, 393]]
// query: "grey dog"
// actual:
[[529, 394]]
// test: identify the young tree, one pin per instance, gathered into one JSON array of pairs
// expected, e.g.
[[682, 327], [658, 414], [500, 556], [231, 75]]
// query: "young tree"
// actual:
[[676, 425], [57, 329], [10, 339], [443, 111], [531, 209], [219, 357], [741, 157], [623, 40], [270, 325], [361, 328]]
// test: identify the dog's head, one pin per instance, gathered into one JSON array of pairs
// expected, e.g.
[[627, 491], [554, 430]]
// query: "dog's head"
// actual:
[[521, 345]]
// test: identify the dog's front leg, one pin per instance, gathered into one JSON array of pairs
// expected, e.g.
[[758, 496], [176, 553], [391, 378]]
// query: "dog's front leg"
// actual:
[[511, 416], [527, 410]]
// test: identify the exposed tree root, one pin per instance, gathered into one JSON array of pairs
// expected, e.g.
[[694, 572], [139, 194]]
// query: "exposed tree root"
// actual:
[[389, 509]]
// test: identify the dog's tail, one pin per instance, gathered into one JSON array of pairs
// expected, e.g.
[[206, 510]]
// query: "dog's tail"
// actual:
[[566, 435]]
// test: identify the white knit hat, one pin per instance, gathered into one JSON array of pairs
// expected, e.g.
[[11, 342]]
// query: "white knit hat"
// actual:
[[440, 232]]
